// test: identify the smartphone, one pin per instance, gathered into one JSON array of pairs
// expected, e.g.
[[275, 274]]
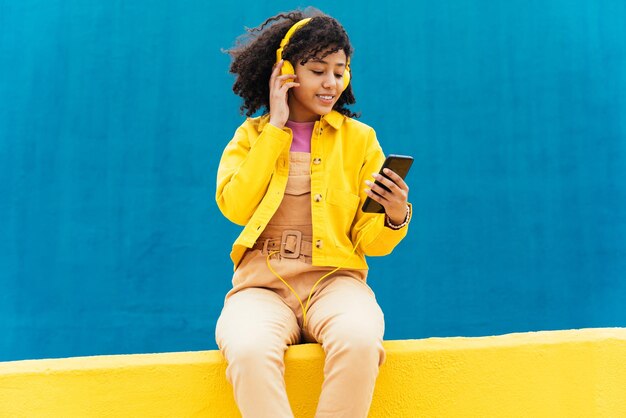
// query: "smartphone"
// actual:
[[399, 164]]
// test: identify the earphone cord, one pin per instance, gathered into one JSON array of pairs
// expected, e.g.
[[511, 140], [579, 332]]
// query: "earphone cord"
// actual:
[[306, 308], [302, 306]]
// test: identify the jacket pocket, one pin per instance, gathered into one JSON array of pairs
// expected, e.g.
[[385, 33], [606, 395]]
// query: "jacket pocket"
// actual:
[[341, 215], [342, 198]]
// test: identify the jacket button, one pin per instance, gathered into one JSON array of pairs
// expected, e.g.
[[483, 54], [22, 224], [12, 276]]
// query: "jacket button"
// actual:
[[317, 161], [318, 243], [317, 198]]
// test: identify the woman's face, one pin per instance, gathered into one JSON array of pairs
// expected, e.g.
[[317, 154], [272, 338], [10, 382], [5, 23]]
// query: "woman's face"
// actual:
[[321, 83]]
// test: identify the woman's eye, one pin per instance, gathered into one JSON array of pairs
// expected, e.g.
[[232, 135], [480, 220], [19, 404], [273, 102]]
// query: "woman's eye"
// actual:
[[338, 75], [317, 72]]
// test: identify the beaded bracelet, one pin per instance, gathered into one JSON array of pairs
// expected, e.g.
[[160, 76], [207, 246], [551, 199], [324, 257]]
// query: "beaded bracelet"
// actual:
[[390, 224]]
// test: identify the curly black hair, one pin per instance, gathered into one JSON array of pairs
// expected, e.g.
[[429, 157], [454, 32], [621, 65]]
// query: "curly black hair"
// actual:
[[254, 55]]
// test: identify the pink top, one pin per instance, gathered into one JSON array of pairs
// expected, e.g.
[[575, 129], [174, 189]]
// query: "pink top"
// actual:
[[302, 132]]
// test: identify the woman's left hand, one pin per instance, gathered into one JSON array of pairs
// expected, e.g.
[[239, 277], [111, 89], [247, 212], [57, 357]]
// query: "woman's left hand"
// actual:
[[395, 200]]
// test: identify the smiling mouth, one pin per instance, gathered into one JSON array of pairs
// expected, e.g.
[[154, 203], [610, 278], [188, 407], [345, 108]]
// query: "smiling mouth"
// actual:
[[325, 97]]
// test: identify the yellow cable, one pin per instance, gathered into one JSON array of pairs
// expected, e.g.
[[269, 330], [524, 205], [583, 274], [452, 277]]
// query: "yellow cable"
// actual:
[[306, 308], [267, 260]]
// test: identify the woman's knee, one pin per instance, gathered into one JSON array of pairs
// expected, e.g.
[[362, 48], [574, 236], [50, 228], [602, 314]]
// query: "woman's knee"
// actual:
[[250, 356], [251, 350], [356, 341]]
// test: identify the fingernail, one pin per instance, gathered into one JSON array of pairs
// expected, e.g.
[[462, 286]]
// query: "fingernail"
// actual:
[[369, 183]]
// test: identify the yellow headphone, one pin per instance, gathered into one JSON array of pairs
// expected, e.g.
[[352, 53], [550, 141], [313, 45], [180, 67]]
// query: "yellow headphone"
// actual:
[[288, 67]]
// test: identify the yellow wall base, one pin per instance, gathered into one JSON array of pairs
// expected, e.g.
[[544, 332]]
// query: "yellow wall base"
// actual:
[[575, 373]]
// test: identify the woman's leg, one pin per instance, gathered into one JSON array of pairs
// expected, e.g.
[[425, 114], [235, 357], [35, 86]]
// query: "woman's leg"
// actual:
[[346, 319], [253, 332]]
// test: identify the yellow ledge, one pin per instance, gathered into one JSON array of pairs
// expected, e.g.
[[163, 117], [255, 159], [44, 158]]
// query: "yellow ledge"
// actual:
[[574, 373]]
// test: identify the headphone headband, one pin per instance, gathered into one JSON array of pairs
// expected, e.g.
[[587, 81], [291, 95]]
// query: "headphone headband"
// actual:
[[288, 35]]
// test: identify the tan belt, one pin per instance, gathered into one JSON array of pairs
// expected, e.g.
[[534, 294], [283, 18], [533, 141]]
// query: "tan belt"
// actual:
[[290, 245]]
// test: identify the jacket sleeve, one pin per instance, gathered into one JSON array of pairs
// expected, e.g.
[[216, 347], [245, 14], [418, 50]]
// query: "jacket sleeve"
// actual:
[[374, 238], [246, 168]]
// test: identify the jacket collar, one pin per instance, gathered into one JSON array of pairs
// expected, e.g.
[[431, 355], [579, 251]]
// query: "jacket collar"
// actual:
[[334, 119]]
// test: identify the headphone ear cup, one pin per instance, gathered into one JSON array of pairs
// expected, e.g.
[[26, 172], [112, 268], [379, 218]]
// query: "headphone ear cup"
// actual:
[[287, 68], [346, 79]]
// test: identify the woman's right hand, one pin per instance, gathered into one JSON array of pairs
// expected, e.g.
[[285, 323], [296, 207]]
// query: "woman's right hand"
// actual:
[[279, 86]]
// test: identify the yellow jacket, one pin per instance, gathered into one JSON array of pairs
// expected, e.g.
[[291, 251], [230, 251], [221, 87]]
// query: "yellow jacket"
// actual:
[[253, 173]]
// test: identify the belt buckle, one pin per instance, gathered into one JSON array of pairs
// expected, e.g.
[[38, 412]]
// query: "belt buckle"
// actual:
[[283, 244]]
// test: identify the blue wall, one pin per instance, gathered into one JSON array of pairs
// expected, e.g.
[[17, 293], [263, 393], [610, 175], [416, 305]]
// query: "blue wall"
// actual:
[[113, 116]]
